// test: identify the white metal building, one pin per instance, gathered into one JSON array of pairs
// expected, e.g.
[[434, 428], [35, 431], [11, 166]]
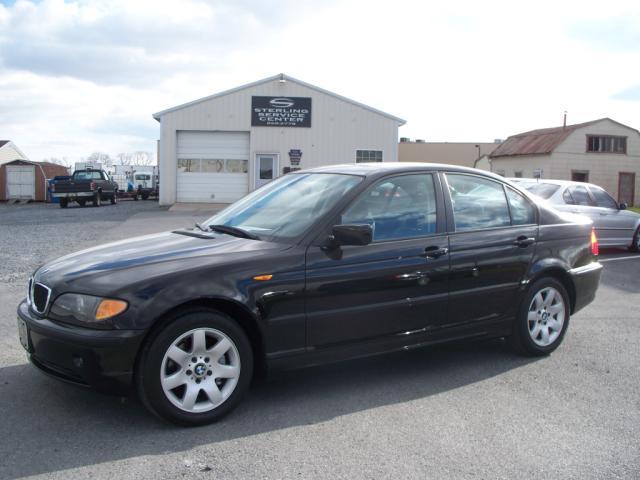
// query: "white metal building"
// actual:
[[217, 149]]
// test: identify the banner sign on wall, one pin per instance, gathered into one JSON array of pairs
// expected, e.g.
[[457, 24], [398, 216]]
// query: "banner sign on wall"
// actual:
[[280, 111]]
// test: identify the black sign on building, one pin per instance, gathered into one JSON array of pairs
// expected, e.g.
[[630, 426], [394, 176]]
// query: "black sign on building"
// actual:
[[281, 112], [295, 156]]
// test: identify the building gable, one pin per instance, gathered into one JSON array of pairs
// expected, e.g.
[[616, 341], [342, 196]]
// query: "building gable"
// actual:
[[9, 152], [266, 85]]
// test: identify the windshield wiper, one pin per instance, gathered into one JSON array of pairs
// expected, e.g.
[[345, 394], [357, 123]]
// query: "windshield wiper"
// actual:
[[235, 231]]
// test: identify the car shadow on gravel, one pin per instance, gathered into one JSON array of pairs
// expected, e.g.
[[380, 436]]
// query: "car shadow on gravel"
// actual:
[[48, 426]]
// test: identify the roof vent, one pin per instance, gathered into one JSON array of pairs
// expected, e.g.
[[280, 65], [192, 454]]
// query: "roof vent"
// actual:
[[497, 140], [419, 140], [405, 139]]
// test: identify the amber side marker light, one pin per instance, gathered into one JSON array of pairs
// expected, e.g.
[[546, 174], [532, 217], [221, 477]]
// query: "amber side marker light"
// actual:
[[110, 308], [262, 278], [595, 248]]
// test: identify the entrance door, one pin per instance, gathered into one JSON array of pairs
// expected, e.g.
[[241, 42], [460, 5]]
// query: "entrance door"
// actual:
[[266, 168], [626, 187]]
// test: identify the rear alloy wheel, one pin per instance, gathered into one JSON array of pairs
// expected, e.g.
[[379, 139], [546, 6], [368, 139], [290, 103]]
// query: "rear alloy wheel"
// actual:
[[196, 370], [635, 243], [96, 199], [543, 318]]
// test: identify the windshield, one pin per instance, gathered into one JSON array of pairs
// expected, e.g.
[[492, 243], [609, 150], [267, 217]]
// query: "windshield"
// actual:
[[286, 207], [543, 190], [143, 177]]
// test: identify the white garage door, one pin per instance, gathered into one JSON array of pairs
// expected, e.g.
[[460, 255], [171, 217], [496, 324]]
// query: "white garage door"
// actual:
[[212, 166], [21, 182]]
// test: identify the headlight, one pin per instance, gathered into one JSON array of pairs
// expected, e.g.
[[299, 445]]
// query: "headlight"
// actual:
[[73, 308]]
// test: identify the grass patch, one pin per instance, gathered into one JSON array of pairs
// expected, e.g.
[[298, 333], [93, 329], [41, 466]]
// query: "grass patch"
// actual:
[[635, 209]]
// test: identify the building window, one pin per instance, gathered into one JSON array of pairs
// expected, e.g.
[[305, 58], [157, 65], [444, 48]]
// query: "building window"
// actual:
[[580, 175], [517, 174], [368, 156], [606, 144]]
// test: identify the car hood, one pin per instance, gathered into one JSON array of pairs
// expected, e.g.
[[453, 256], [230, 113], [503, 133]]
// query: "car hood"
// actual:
[[151, 250]]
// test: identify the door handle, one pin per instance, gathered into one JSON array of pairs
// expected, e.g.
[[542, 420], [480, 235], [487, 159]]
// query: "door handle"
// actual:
[[412, 276], [523, 241], [435, 252]]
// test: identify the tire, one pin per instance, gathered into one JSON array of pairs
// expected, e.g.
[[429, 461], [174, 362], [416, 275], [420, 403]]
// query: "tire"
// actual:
[[64, 203], [82, 203], [114, 198], [175, 387], [145, 197], [635, 243], [545, 308], [96, 199]]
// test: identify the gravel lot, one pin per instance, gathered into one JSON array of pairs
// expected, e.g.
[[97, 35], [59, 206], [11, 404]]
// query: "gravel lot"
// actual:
[[469, 411]]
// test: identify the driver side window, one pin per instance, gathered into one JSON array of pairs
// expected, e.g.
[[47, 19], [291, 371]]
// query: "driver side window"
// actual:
[[396, 208]]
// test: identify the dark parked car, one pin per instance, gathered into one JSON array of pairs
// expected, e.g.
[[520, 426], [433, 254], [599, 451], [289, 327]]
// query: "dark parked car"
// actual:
[[85, 186], [317, 266]]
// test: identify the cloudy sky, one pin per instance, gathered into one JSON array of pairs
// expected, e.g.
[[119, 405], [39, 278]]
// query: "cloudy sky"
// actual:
[[86, 75]]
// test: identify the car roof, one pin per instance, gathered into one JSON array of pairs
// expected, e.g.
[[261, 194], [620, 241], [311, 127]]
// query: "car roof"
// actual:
[[382, 168], [562, 183]]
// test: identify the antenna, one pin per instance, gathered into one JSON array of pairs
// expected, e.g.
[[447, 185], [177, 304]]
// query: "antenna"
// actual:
[[564, 124]]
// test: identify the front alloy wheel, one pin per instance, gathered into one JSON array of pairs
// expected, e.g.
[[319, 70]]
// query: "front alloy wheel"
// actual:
[[200, 370], [195, 368]]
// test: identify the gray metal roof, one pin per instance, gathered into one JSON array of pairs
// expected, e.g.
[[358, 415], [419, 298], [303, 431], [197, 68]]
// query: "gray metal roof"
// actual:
[[280, 76]]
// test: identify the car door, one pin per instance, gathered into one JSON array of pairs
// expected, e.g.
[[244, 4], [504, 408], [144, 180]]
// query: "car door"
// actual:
[[615, 226], [493, 231], [395, 285]]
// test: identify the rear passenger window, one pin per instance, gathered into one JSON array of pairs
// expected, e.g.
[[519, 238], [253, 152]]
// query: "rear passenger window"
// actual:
[[577, 195], [603, 199], [522, 212], [397, 207], [477, 202]]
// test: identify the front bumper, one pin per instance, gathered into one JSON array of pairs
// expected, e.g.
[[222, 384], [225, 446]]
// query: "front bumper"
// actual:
[[585, 280], [100, 359]]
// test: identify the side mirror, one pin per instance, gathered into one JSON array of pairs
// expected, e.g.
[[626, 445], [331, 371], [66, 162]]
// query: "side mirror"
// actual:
[[622, 206], [351, 235]]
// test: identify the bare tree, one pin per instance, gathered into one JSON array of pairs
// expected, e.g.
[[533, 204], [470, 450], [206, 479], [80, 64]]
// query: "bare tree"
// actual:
[[100, 157], [64, 161], [143, 158], [124, 158], [139, 157]]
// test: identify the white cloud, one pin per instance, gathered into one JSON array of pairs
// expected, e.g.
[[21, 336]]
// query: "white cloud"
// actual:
[[84, 75]]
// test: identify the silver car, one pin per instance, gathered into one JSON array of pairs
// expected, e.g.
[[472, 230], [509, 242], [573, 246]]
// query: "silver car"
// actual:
[[615, 225]]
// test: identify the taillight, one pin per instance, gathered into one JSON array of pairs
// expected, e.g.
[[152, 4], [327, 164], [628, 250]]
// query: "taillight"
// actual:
[[594, 243], [92, 185]]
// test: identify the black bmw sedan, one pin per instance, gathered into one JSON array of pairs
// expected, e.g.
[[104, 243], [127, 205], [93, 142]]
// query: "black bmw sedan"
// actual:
[[317, 266]]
